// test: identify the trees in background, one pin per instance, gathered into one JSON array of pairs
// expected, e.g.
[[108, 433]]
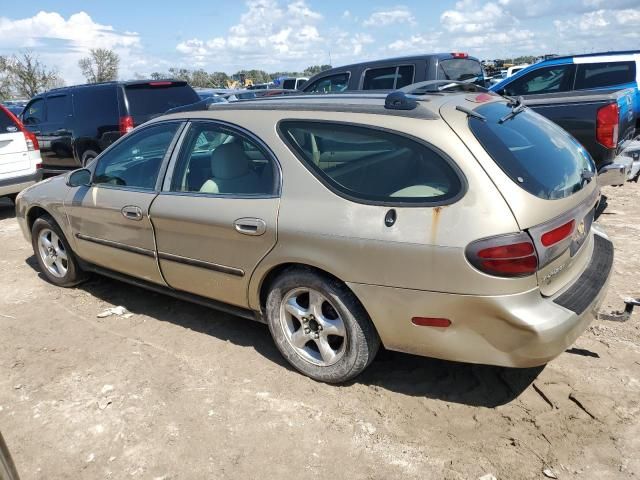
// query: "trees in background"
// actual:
[[24, 75], [100, 66]]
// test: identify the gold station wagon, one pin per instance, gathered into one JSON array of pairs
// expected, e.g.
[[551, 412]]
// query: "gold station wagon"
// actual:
[[435, 220]]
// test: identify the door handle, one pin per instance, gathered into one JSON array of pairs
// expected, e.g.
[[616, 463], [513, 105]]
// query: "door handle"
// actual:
[[131, 212], [250, 226]]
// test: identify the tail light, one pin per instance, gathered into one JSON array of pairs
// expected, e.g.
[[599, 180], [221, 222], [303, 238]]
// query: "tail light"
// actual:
[[32, 141], [607, 125], [557, 234], [459, 55], [511, 255], [160, 84], [126, 124]]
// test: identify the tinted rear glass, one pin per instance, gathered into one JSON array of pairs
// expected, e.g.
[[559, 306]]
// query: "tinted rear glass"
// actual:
[[534, 152], [595, 75], [149, 99], [289, 84], [97, 105], [6, 123], [332, 83], [371, 165], [459, 69]]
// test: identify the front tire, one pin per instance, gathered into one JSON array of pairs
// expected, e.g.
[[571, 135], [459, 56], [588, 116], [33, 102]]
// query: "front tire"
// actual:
[[57, 261], [320, 327]]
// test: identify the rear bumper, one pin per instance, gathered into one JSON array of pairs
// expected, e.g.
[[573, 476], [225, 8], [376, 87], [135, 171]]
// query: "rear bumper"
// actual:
[[9, 186], [522, 330]]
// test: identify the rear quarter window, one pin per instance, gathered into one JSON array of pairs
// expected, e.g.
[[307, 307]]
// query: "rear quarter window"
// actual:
[[459, 69], [371, 165], [534, 152]]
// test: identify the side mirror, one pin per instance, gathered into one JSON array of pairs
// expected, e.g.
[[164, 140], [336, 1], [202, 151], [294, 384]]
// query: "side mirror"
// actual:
[[79, 178]]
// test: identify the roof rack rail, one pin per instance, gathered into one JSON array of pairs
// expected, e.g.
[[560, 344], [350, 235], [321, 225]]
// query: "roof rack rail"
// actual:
[[406, 98]]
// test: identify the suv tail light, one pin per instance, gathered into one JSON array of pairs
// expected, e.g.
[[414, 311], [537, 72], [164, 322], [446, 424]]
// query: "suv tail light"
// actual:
[[30, 138], [126, 124], [511, 255], [607, 125], [459, 55]]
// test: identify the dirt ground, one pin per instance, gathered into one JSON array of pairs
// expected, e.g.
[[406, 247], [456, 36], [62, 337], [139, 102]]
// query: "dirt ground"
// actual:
[[182, 392]]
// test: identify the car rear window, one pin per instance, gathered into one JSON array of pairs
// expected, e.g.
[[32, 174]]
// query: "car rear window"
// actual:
[[459, 69], [289, 84], [372, 165], [158, 97], [6, 123], [534, 152], [595, 75]]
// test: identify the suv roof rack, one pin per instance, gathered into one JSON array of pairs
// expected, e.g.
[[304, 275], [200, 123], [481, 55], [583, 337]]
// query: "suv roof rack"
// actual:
[[406, 98]]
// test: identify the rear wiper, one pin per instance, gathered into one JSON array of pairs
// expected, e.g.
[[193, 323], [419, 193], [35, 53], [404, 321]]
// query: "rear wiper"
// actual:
[[471, 113], [517, 105]]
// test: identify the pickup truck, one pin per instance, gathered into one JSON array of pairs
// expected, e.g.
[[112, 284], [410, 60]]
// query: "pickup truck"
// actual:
[[603, 122]]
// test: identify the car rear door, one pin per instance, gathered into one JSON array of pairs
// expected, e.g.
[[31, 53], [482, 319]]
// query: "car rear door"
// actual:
[[14, 157], [216, 216], [110, 218]]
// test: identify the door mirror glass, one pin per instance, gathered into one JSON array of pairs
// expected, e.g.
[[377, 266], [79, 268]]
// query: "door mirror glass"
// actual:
[[79, 178]]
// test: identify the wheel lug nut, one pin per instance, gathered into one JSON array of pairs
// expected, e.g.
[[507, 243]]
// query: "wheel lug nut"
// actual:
[[307, 330]]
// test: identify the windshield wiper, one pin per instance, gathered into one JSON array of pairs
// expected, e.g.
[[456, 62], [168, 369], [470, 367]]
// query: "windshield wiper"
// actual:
[[471, 113], [517, 105]]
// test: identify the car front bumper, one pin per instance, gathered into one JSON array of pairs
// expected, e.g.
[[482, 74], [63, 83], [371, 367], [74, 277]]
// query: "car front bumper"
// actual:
[[10, 186], [522, 330]]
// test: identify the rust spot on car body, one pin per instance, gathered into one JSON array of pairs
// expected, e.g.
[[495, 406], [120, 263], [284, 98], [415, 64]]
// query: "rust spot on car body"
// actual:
[[435, 221]]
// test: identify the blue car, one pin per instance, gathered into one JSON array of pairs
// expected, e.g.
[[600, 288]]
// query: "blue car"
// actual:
[[594, 71]]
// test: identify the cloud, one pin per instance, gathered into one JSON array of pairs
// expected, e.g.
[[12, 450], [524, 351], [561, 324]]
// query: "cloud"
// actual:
[[62, 42], [389, 17], [268, 33], [587, 32]]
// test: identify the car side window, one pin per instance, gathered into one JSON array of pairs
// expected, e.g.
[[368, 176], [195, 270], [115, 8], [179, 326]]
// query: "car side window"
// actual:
[[135, 161], [58, 108], [329, 84], [551, 79], [609, 74], [217, 161], [373, 165], [34, 112], [388, 78]]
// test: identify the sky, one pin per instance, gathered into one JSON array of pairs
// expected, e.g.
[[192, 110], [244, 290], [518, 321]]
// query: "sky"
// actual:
[[289, 35]]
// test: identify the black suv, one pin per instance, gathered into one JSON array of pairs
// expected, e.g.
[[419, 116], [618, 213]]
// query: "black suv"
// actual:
[[394, 73], [74, 124]]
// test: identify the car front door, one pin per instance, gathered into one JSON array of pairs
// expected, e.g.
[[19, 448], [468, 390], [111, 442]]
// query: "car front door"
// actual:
[[110, 218], [216, 216], [541, 81]]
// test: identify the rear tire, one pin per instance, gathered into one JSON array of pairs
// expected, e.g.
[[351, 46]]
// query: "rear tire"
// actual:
[[55, 258], [88, 156], [320, 327]]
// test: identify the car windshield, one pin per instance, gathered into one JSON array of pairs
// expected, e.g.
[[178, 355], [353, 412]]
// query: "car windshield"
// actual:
[[534, 152], [158, 97]]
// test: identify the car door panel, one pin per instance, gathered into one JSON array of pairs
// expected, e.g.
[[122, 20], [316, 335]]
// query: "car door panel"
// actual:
[[209, 244], [200, 249], [105, 236], [110, 218]]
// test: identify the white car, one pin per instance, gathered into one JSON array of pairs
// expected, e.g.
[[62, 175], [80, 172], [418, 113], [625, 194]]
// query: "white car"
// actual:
[[20, 161]]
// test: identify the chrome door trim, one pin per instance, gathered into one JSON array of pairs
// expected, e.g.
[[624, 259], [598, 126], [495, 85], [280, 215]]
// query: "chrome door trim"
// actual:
[[118, 245], [250, 226], [237, 272]]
